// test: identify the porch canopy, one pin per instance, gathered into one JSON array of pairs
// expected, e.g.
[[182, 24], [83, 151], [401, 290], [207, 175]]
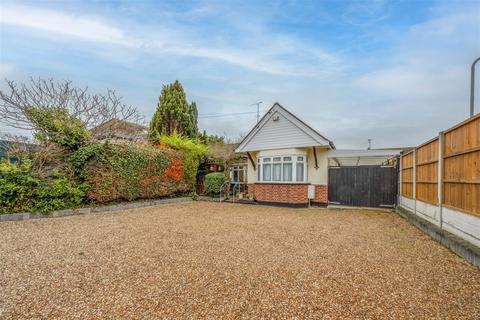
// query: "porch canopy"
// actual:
[[342, 158]]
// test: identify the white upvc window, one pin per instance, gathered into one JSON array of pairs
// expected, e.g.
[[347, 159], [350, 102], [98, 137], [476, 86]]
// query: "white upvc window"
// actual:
[[286, 168]]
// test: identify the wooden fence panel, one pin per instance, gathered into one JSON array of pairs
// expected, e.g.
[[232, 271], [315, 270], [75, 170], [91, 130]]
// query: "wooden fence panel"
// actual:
[[427, 172], [407, 175], [461, 169]]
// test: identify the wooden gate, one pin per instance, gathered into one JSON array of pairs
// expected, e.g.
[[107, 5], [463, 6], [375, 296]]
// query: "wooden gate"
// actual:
[[363, 186]]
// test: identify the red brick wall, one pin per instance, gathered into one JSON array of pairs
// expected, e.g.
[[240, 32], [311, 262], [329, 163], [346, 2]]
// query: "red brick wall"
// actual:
[[321, 194], [287, 193]]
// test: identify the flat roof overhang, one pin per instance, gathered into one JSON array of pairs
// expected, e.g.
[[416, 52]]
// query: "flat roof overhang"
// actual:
[[362, 157]]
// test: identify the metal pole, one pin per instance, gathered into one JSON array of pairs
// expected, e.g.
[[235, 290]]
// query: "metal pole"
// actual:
[[258, 109], [472, 87]]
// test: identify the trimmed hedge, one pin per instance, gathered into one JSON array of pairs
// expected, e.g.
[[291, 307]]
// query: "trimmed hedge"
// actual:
[[214, 182], [131, 171]]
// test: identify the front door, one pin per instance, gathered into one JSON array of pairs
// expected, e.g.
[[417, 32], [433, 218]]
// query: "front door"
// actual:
[[238, 177]]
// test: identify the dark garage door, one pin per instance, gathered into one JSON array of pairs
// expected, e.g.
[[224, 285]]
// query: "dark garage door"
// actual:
[[364, 186]]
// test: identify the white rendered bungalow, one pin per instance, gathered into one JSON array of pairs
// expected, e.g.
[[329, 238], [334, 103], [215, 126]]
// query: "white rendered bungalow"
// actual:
[[285, 157]]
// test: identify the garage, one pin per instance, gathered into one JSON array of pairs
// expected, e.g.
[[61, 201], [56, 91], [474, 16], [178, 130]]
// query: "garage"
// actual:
[[363, 178]]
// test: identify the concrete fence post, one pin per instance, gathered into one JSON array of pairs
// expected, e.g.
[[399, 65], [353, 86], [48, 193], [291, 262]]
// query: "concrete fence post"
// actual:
[[400, 178], [441, 137], [415, 181]]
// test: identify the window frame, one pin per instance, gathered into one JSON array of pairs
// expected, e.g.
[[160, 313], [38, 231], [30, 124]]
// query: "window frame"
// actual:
[[272, 160], [238, 168]]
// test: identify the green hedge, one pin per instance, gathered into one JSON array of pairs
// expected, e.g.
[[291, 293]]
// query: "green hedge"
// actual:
[[214, 182], [193, 150], [130, 171], [22, 191], [104, 172]]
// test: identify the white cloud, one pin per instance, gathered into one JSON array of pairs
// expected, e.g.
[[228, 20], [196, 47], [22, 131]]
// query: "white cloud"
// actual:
[[277, 55], [63, 23], [365, 13], [423, 87], [410, 93], [401, 96], [413, 82], [7, 69], [430, 64]]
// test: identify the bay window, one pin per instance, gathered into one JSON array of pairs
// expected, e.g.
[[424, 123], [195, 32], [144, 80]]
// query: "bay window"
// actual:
[[291, 168], [300, 169], [267, 172]]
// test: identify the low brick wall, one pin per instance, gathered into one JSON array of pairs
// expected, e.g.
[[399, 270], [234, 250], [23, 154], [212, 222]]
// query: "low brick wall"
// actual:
[[294, 193]]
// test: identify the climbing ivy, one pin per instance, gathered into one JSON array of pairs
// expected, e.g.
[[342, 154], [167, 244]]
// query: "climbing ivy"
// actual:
[[130, 171]]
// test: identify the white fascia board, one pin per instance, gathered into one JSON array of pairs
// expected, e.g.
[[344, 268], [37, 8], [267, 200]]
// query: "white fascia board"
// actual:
[[284, 147], [312, 133]]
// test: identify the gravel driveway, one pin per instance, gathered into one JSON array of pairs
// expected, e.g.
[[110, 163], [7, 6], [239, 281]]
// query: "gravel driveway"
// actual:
[[210, 260]]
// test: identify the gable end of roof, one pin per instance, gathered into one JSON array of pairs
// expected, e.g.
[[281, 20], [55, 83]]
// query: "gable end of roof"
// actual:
[[277, 107]]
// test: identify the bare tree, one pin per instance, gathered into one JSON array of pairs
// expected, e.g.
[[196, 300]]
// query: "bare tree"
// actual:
[[45, 94], [222, 152]]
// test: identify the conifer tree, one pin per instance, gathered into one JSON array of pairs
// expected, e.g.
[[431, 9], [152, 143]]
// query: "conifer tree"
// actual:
[[172, 114], [193, 112]]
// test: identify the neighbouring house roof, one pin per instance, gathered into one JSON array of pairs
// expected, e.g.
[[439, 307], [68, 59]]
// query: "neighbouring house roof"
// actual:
[[5, 145], [120, 130], [280, 129]]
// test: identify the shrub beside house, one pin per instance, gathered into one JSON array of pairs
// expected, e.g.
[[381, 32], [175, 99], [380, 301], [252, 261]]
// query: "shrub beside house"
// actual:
[[214, 183]]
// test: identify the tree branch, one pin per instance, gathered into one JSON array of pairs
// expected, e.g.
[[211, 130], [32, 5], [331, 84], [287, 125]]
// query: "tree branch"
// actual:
[[45, 94]]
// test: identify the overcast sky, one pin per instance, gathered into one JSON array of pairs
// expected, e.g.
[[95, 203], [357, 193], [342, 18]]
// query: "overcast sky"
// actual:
[[393, 71]]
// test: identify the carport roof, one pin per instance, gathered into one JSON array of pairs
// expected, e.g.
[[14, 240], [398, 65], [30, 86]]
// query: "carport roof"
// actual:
[[362, 157]]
